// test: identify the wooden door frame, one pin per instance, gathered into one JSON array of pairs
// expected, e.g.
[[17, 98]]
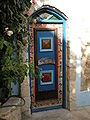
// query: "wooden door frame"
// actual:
[[56, 57]]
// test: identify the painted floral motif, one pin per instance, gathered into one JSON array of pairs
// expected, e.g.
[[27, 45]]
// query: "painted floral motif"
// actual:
[[44, 25]]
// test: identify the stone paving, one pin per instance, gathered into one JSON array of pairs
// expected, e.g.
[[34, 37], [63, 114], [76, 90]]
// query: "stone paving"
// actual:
[[82, 113]]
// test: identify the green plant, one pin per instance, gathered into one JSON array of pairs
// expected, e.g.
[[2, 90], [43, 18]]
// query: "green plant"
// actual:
[[13, 30]]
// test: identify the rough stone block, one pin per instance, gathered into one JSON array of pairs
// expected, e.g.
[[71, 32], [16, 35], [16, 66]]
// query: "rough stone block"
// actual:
[[87, 71], [72, 74]]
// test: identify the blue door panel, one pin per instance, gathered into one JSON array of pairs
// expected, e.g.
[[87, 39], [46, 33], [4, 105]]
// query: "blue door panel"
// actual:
[[41, 34], [48, 86], [46, 54]]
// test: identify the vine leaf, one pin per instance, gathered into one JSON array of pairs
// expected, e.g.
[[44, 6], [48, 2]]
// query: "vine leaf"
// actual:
[[1, 43]]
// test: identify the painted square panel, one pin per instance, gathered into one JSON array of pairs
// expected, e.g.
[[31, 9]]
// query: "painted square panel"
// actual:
[[46, 44], [47, 77]]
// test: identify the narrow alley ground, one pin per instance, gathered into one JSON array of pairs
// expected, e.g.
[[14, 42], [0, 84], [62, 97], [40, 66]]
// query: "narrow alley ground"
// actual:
[[82, 113]]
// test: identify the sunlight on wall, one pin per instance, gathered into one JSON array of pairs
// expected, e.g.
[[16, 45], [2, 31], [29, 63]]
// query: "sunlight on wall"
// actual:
[[78, 70], [79, 19], [74, 91]]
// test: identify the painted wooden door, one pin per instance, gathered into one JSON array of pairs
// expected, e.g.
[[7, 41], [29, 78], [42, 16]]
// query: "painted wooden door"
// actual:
[[46, 60]]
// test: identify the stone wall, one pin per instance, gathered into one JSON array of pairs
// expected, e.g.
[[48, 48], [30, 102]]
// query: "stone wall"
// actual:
[[25, 88], [72, 80], [85, 64], [10, 114], [70, 77], [25, 93], [71, 61]]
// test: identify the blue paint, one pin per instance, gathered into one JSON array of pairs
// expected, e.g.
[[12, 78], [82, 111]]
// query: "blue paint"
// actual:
[[49, 34], [49, 17], [64, 65], [55, 14], [41, 17], [50, 21], [46, 38], [15, 88], [50, 11], [60, 18], [46, 54], [29, 62], [46, 108]]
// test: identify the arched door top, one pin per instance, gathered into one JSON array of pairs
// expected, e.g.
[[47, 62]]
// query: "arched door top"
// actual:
[[47, 13]]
